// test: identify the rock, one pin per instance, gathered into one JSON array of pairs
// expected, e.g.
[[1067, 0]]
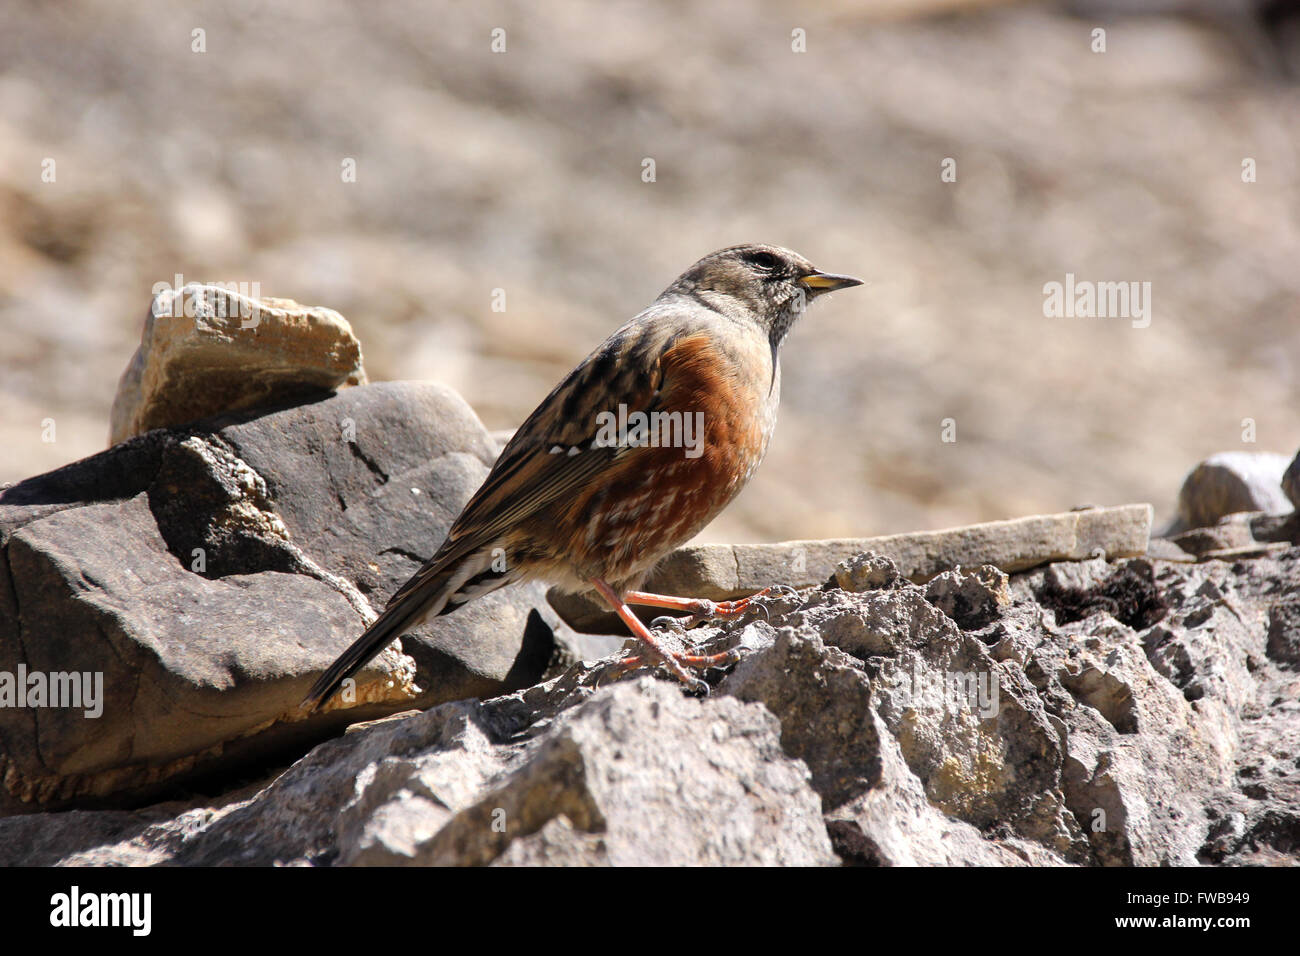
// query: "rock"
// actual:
[[640, 775], [1291, 482], [1165, 550], [1229, 482], [722, 572], [1128, 593], [866, 572], [977, 750], [1228, 533], [1129, 712], [1108, 738], [1242, 534], [215, 571], [635, 774], [1275, 529], [207, 349], [972, 600], [1284, 632]]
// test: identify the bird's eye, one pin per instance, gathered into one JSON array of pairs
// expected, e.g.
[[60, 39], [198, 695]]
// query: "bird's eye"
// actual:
[[764, 260]]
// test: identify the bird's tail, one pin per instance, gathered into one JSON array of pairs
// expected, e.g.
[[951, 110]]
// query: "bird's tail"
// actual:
[[437, 588]]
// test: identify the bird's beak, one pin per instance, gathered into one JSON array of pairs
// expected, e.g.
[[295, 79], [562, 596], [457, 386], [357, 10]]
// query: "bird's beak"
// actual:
[[818, 283]]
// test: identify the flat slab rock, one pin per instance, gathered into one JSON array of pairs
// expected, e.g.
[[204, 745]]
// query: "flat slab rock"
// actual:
[[206, 575], [721, 572], [1129, 712]]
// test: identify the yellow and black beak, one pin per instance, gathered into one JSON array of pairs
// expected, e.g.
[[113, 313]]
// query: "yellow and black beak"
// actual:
[[818, 283]]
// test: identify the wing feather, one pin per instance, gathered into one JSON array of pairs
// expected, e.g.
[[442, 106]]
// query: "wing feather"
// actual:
[[528, 475]]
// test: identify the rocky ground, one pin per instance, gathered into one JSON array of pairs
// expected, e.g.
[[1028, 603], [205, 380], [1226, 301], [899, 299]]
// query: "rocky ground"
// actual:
[[1094, 713]]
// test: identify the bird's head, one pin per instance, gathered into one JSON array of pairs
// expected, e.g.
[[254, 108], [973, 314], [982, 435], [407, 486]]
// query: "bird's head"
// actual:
[[769, 284]]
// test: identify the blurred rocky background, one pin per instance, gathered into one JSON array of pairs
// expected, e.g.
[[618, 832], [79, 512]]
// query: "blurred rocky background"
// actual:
[[522, 170]]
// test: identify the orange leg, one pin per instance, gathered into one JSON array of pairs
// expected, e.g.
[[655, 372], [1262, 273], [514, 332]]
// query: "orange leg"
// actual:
[[654, 653], [700, 609]]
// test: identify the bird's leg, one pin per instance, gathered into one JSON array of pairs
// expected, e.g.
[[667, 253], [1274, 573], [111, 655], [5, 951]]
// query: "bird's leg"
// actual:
[[701, 609], [655, 654]]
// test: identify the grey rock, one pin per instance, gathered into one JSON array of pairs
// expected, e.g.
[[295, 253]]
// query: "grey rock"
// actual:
[[641, 776], [1133, 712], [972, 600], [1164, 549], [1242, 534], [1276, 528], [1229, 533], [1110, 743], [212, 572], [895, 824], [867, 571], [1284, 632], [634, 774], [1229, 482]]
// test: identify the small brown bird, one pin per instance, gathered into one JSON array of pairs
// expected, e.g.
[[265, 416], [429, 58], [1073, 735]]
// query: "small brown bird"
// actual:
[[640, 447]]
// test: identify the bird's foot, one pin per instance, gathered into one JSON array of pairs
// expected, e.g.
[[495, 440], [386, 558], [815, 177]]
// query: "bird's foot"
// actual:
[[679, 665], [702, 609], [723, 610], [652, 654]]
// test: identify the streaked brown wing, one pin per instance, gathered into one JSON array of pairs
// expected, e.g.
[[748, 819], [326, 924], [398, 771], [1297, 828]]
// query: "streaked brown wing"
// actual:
[[529, 475]]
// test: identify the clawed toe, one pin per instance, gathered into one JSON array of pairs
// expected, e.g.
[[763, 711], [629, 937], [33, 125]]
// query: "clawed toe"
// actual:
[[740, 606], [668, 622], [679, 665], [700, 610], [775, 591]]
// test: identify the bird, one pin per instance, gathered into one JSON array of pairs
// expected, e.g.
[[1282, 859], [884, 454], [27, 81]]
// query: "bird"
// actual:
[[628, 457]]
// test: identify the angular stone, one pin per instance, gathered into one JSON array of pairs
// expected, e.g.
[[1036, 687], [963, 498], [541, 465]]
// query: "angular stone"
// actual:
[[206, 350], [1284, 632], [907, 773], [214, 572], [973, 599], [866, 572], [634, 774], [641, 776]]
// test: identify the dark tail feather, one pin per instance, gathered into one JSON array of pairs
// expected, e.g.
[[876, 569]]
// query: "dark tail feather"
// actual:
[[407, 607]]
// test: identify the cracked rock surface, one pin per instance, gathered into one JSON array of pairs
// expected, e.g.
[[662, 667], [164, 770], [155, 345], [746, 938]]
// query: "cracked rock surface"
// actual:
[[209, 573], [1130, 712]]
